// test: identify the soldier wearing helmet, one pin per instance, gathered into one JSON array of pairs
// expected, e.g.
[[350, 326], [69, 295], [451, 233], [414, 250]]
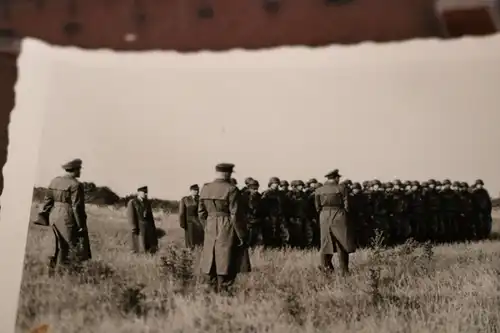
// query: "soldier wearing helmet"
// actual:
[[248, 180], [466, 218], [407, 185], [390, 204], [300, 227], [286, 200], [433, 202], [400, 212], [252, 210], [275, 233], [450, 205], [379, 209], [483, 205], [357, 214], [417, 212]]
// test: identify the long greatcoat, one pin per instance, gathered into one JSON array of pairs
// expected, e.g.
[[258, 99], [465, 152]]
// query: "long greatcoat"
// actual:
[[64, 208], [141, 220], [331, 201], [219, 208], [189, 221]]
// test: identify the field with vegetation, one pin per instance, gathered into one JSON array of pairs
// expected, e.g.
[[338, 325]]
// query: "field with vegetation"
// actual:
[[412, 288]]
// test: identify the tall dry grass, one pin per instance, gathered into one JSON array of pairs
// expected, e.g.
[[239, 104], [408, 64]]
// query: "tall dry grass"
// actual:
[[413, 288]]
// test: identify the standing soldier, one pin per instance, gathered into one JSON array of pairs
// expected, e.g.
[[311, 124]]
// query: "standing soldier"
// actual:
[[467, 215], [401, 212], [311, 186], [483, 203], [64, 208], [141, 220], [286, 202], [275, 231], [417, 212], [378, 202], [248, 180], [433, 202], [251, 201], [302, 226], [188, 218], [225, 247], [390, 205], [450, 210], [357, 214], [331, 202]]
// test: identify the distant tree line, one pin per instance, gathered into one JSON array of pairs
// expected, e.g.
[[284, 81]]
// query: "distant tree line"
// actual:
[[104, 196]]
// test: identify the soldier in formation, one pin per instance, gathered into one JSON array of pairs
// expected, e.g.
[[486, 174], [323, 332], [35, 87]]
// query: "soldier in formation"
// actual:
[[285, 213]]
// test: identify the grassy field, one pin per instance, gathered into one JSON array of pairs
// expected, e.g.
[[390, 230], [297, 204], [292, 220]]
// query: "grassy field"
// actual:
[[453, 288]]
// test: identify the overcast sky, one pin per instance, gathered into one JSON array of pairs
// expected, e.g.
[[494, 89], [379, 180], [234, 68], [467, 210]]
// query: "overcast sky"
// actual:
[[413, 110]]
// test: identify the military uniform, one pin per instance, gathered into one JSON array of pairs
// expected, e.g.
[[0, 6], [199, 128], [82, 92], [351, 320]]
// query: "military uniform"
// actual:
[[379, 208], [483, 204], [64, 208], [225, 252], [252, 207], [400, 211], [189, 221], [301, 224], [141, 220], [357, 204], [331, 201], [450, 210], [433, 203], [467, 217], [275, 230]]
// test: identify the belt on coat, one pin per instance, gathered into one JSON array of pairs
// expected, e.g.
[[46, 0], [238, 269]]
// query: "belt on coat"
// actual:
[[332, 207], [61, 203], [218, 214]]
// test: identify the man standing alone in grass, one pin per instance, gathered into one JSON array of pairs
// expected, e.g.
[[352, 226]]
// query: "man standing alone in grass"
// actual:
[[225, 252], [140, 217], [188, 218], [64, 207]]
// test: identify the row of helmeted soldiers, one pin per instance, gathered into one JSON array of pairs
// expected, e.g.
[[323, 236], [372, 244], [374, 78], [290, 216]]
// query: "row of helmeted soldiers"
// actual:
[[439, 211]]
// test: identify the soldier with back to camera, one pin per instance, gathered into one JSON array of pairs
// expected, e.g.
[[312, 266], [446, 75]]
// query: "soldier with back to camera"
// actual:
[[64, 207], [225, 252], [331, 201]]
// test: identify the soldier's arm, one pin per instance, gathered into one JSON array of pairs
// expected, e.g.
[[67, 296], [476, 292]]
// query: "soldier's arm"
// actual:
[[345, 197], [78, 205], [317, 202], [239, 224], [134, 223], [202, 211], [182, 214], [47, 205], [132, 218]]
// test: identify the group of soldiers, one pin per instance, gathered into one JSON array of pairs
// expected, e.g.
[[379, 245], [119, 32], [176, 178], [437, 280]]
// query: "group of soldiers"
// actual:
[[335, 217], [285, 213]]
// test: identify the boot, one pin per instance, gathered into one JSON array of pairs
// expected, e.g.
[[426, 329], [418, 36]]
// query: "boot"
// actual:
[[344, 262], [326, 261]]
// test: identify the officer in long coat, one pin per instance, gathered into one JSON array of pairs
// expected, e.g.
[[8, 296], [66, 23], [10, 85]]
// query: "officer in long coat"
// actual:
[[225, 252], [64, 207], [141, 221], [188, 218], [483, 207], [337, 234]]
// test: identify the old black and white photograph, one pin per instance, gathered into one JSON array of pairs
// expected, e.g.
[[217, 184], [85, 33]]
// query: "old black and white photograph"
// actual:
[[341, 189]]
